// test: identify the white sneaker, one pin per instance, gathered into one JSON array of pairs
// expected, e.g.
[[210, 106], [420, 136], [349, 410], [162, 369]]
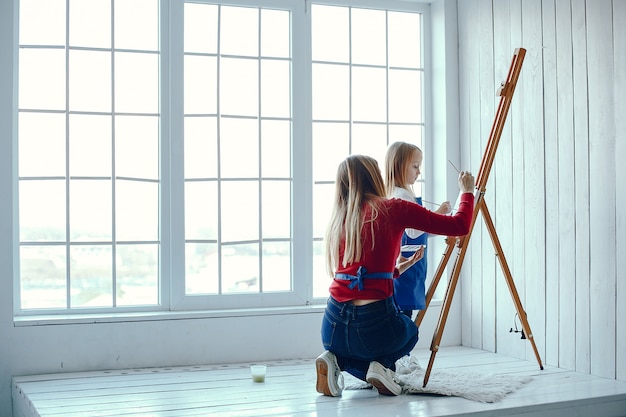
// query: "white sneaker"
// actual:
[[383, 379], [329, 377]]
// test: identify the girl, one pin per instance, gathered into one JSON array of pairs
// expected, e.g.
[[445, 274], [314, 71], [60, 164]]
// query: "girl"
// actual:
[[363, 331], [403, 162]]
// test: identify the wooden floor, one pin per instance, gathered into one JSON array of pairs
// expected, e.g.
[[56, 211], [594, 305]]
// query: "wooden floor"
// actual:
[[289, 390]]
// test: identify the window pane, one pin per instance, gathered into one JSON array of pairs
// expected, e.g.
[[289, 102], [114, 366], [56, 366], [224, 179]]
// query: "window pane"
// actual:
[[404, 40], [276, 209], [275, 33], [42, 79], [200, 147], [321, 280], [42, 22], [91, 278], [238, 197], [239, 87], [200, 85], [41, 144], [201, 210], [276, 266], [239, 148], [275, 89], [137, 275], [200, 28], [136, 83], [331, 144], [405, 96], [239, 31], [240, 268], [137, 211], [136, 24], [323, 195], [90, 145], [42, 210], [90, 81], [43, 281], [369, 94], [90, 23], [369, 36], [201, 268], [330, 33], [276, 149], [90, 210], [137, 147], [407, 133], [331, 92], [370, 139]]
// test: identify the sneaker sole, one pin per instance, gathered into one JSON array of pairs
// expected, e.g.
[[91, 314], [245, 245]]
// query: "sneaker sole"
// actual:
[[322, 378], [378, 383]]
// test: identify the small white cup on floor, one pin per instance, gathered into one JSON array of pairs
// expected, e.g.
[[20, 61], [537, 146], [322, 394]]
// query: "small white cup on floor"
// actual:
[[258, 373]]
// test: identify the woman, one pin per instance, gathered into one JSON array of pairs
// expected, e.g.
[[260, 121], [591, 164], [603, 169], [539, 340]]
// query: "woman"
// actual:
[[363, 331]]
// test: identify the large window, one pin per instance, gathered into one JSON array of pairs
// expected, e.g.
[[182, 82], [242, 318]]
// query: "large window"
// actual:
[[179, 155], [367, 77]]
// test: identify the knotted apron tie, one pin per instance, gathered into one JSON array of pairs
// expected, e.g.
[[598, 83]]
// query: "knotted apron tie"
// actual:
[[361, 274]]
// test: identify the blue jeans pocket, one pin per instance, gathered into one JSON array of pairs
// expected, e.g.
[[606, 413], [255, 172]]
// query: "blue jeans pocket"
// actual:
[[377, 337]]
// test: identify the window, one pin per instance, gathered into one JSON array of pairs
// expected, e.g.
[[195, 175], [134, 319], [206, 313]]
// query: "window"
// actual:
[[367, 77], [179, 155], [88, 145]]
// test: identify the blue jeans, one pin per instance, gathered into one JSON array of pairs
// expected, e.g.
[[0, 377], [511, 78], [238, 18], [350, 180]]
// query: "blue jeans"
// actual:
[[358, 335]]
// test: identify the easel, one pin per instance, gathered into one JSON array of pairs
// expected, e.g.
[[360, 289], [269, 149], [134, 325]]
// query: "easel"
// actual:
[[480, 206]]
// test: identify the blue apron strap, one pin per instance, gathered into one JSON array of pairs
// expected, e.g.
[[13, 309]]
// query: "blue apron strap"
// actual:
[[361, 273]]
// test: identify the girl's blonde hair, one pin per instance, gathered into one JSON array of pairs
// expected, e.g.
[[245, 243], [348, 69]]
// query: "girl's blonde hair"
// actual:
[[399, 156], [359, 182]]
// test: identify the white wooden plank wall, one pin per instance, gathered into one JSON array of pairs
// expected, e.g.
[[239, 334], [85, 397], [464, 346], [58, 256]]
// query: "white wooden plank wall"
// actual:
[[556, 190], [619, 11], [581, 162], [502, 178]]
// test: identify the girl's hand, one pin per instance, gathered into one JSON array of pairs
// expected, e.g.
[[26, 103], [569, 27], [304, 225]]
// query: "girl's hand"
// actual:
[[403, 263], [444, 208]]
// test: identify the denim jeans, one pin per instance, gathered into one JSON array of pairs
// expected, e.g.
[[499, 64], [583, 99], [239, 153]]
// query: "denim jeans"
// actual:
[[358, 335]]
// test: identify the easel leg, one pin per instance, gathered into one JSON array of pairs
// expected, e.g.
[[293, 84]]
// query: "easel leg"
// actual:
[[450, 243], [509, 280], [445, 307]]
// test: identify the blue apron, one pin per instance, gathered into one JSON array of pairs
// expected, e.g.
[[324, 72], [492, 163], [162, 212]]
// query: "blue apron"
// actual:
[[410, 286]]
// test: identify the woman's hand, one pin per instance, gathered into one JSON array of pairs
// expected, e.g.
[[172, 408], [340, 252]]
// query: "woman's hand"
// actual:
[[466, 182], [403, 263]]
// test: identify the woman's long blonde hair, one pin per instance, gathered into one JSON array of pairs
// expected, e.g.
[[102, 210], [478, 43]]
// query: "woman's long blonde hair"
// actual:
[[399, 155], [359, 181]]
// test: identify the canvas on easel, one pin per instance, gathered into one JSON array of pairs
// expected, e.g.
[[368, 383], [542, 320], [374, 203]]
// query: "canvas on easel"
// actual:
[[461, 243]]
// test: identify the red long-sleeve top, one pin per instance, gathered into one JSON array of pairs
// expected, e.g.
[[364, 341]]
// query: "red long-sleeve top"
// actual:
[[394, 215]]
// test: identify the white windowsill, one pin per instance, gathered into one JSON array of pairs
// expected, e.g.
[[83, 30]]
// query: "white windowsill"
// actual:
[[64, 319], [60, 319]]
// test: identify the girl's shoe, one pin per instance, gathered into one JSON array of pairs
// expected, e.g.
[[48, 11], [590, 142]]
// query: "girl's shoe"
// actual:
[[329, 377], [384, 379]]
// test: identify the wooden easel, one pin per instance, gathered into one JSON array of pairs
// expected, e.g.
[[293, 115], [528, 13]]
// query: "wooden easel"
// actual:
[[506, 93]]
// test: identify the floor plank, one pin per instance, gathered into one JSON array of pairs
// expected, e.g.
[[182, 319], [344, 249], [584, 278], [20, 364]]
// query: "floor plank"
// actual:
[[289, 390]]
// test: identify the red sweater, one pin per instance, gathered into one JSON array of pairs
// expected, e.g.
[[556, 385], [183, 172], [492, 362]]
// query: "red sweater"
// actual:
[[395, 215]]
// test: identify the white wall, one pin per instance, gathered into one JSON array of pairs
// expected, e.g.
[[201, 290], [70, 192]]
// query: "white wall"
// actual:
[[136, 343], [557, 188]]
